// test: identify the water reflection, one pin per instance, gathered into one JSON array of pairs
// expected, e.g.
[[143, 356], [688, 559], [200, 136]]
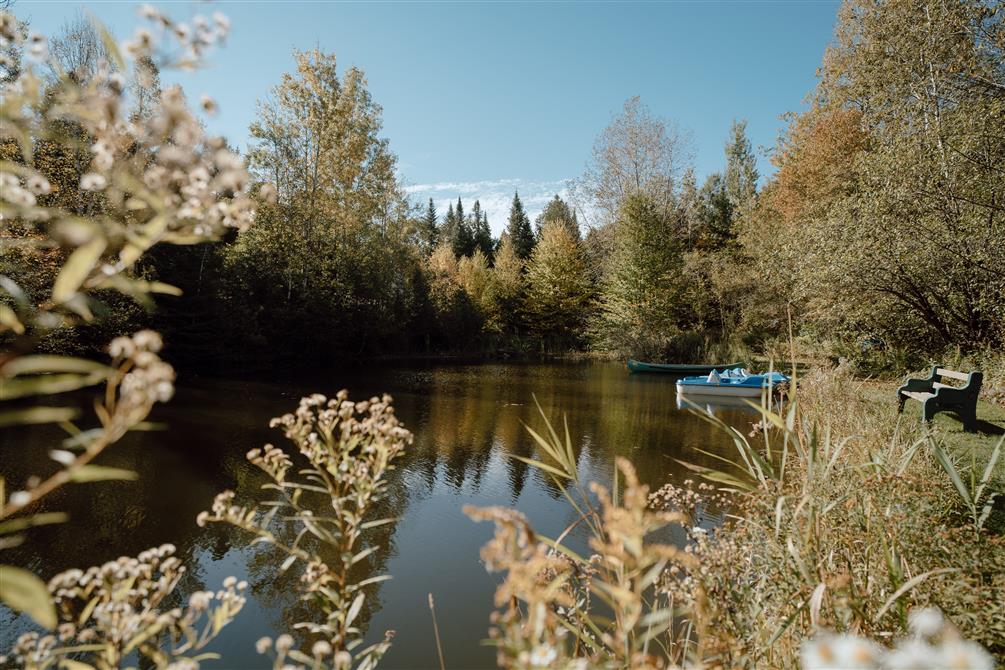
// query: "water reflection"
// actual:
[[468, 422]]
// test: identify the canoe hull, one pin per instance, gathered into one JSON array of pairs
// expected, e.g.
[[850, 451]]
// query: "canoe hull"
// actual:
[[676, 369]]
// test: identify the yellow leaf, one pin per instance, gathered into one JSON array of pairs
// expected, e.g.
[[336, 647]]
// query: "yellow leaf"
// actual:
[[78, 266], [23, 591]]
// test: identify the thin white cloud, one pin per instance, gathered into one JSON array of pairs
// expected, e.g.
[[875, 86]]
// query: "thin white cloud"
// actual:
[[495, 196]]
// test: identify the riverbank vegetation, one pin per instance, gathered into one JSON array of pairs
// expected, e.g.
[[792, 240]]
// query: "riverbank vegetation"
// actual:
[[877, 245]]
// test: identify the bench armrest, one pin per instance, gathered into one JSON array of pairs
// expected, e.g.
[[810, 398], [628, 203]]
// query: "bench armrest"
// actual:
[[914, 384]]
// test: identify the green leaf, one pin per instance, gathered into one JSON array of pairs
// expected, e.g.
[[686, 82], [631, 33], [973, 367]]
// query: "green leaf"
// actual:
[[100, 473], [947, 464], [37, 415], [77, 267], [22, 591]]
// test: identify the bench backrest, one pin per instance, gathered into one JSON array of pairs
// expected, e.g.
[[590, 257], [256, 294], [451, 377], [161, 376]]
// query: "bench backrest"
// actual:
[[973, 380]]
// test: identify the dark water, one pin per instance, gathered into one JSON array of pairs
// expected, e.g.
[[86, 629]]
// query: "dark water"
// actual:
[[467, 421]]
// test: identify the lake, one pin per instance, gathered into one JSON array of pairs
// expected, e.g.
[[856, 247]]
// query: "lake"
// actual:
[[467, 420]]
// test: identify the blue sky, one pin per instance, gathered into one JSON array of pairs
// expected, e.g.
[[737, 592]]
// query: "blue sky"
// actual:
[[481, 98]]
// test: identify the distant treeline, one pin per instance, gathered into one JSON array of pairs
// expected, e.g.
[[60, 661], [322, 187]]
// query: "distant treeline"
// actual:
[[882, 224]]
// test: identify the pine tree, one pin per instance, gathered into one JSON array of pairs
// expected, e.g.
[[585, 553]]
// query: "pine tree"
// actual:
[[519, 229], [741, 168], [557, 210], [558, 288]]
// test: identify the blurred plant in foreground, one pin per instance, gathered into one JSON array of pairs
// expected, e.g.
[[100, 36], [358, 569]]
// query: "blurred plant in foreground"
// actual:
[[319, 517], [112, 611], [146, 177], [563, 610]]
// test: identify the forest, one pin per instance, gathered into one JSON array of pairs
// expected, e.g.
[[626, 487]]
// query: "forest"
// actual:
[[840, 245], [137, 247]]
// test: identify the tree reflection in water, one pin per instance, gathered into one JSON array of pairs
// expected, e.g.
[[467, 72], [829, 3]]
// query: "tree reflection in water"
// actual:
[[468, 420]]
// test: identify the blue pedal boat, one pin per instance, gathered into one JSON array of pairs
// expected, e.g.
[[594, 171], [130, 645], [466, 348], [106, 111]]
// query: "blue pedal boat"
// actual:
[[736, 382]]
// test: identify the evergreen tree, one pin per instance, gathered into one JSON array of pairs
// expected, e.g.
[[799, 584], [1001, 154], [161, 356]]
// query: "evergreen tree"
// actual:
[[519, 229], [643, 293], [507, 288], [448, 232], [463, 241], [741, 168], [558, 211], [482, 233], [428, 231], [558, 288], [715, 213]]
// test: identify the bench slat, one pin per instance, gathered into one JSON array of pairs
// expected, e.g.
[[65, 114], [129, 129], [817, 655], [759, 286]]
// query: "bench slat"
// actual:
[[937, 385], [952, 374], [919, 396]]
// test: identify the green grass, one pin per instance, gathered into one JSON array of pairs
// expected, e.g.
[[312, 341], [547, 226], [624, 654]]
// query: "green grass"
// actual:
[[964, 446]]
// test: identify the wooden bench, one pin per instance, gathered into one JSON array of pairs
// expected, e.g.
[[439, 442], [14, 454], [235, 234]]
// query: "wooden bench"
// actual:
[[936, 397]]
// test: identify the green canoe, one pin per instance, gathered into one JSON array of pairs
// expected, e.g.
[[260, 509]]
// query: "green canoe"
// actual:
[[674, 369]]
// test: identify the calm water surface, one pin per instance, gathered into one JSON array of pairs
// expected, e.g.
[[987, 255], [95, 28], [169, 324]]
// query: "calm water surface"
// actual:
[[467, 420]]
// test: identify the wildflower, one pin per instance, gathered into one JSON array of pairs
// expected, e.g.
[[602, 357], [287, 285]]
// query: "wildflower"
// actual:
[[61, 456], [925, 622], [93, 182], [321, 648], [263, 644], [839, 652], [221, 21], [964, 655], [20, 498], [39, 185], [342, 661], [283, 643], [208, 105], [542, 656]]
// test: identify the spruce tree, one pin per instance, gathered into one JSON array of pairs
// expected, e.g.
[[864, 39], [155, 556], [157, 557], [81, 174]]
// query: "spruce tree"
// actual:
[[519, 229], [428, 231], [741, 168], [481, 232], [463, 241], [448, 233], [558, 211]]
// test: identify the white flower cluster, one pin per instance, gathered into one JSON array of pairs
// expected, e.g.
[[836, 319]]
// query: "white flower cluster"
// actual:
[[146, 379], [935, 645], [118, 604], [158, 176], [194, 38], [324, 428]]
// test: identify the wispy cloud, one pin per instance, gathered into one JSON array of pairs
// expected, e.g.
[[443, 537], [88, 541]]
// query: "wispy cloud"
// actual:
[[495, 196]]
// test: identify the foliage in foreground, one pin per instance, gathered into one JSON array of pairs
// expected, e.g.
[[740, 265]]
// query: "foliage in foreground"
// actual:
[[838, 523], [112, 612], [318, 518], [137, 178]]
